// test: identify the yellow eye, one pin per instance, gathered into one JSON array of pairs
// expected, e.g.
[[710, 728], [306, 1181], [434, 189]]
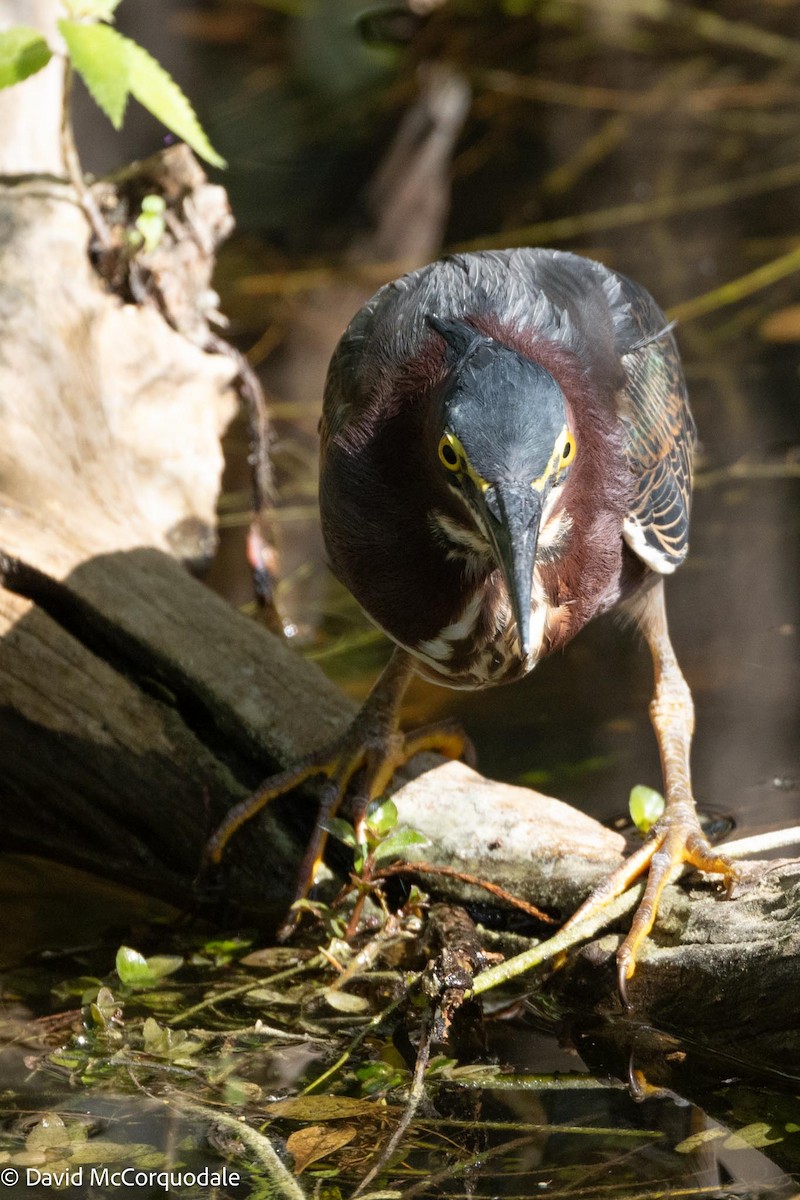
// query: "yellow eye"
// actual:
[[567, 452], [448, 454]]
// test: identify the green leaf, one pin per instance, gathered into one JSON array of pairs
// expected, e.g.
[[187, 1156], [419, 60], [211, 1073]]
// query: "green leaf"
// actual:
[[758, 1135], [105, 1010], [132, 967], [646, 806], [697, 1140], [159, 93], [150, 223], [163, 1042], [382, 816], [164, 964], [136, 971], [102, 58], [393, 847], [342, 830], [92, 10], [23, 52]]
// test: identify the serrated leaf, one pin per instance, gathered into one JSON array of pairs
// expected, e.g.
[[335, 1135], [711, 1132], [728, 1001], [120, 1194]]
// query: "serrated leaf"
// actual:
[[646, 806], [159, 93], [393, 847], [382, 816], [23, 52], [102, 58], [93, 10]]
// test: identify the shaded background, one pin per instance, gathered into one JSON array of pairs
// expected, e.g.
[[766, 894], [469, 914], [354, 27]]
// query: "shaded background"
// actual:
[[662, 140]]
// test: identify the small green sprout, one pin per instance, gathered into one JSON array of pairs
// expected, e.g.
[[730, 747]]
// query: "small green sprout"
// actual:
[[382, 840], [150, 223], [136, 971], [646, 807]]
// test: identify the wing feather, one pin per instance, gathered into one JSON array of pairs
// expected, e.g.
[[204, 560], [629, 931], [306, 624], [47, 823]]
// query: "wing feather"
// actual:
[[661, 435]]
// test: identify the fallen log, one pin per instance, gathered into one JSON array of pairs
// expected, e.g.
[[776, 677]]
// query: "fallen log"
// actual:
[[171, 707]]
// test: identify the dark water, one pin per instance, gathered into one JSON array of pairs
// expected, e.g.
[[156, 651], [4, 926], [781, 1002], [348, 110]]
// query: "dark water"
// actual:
[[303, 101]]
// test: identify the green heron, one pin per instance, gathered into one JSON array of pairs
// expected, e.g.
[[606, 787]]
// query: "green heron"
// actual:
[[506, 454]]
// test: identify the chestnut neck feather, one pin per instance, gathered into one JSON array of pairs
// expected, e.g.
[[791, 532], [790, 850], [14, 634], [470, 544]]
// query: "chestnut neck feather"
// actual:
[[378, 528]]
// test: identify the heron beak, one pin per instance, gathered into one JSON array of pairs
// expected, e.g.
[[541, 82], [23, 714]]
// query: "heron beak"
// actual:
[[513, 512]]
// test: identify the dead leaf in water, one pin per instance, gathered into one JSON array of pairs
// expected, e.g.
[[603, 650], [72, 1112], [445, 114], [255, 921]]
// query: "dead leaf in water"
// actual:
[[314, 1142]]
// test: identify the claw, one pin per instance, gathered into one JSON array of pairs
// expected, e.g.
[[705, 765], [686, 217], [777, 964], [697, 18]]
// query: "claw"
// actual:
[[371, 748], [676, 841]]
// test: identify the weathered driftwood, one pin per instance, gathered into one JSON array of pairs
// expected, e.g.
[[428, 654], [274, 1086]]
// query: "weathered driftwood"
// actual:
[[719, 975], [168, 707]]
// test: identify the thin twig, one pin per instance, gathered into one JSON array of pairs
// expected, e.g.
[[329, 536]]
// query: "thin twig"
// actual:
[[761, 843], [710, 26], [425, 868], [459, 1167], [737, 289], [415, 1095], [243, 988], [625, 100], [73, 165], [364, 1032], [260, 551], [565, 939], [368, 954], [622, 216]]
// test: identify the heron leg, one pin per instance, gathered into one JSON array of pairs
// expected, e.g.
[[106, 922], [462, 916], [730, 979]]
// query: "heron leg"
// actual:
[[676, 838], [373, 748]]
